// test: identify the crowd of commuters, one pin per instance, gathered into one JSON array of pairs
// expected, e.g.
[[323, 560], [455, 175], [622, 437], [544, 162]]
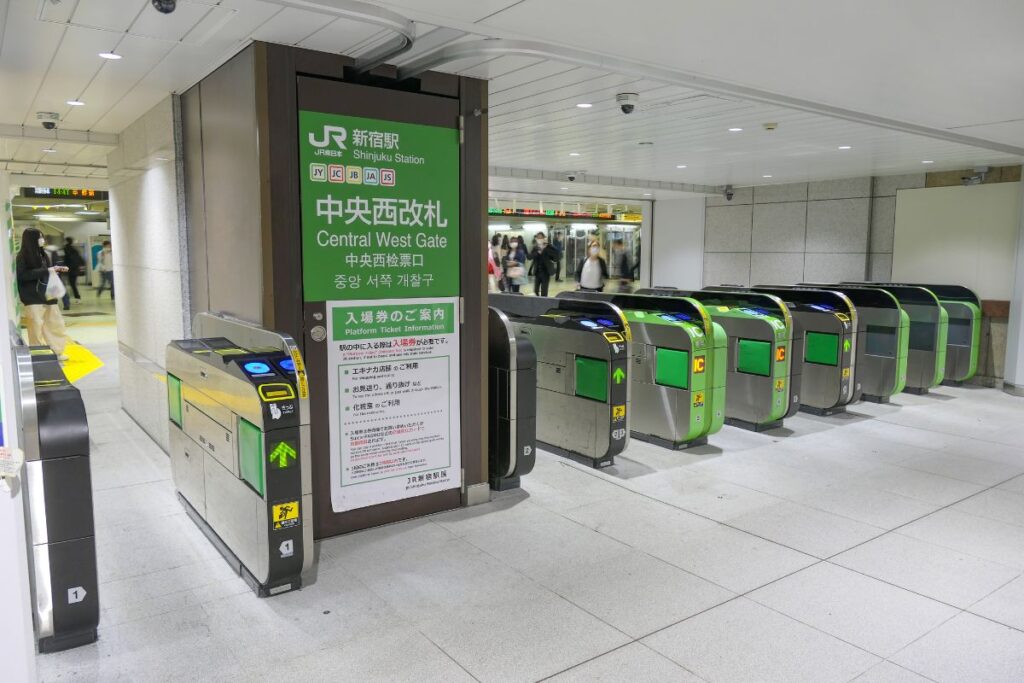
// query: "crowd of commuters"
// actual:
[[511, 264]]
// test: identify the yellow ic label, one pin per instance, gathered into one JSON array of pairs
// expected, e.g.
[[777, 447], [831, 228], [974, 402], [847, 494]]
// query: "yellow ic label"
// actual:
[[699, 364], [276, 391], [846, 373], [613, 337]]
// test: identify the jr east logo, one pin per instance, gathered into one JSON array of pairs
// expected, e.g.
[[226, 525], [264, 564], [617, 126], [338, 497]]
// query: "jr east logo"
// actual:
[[330, 134]]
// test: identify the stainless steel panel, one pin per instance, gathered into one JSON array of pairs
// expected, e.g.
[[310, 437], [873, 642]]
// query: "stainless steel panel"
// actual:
[[232, 510], [35, 502], [43, 591], [218, 394], [188, 469], [26, 395], [308, 549], [231, 181], [213, 437]]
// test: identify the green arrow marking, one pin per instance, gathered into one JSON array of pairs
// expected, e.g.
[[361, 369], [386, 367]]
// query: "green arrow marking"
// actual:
[[618, 375], [846, 345], [281, 454]]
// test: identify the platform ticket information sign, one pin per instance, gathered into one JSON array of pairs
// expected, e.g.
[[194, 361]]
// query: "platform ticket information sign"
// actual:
[[394, 396]]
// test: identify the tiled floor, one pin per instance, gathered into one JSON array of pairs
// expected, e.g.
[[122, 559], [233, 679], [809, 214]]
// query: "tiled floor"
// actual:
[[883, 545]]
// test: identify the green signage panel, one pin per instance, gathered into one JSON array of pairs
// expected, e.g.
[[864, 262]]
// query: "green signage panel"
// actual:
[[380, 208], [592, 378], [821, 348], [672, 368], [754, 357]]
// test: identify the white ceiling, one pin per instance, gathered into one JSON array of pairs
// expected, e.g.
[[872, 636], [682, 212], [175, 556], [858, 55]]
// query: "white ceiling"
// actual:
[[939, 63]]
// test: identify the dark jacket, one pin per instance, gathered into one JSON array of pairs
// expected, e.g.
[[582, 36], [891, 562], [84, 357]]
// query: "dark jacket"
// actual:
[[73, 260], [579, 269], [544, 261], [32, 281]]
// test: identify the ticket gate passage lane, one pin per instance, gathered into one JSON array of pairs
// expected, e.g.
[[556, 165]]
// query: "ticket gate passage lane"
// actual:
[[58, 501], [239, 448], [963, 341], [881, 369], [512, 403], [677, 351], [760, 388], [583, 392], [929, 327], [830, 327]]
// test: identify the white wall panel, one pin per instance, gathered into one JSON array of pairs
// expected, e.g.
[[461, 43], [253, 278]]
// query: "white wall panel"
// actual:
[[960, 235], [677, 249]]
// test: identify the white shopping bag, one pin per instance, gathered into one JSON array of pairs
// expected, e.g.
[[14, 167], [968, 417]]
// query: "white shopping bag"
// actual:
[[55, 287]]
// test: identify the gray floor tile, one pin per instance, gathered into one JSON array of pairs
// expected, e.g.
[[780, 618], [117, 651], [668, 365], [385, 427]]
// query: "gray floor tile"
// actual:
[[637, 593], [965, 468], [928, 569], [967, 648], [887, 672], [817, 533], [1016, 485], [742, 641], [977, 536], [869, 505], [999, 504], [766, 477], [872, 615], [522, 639], [924, 486], [559, 485], [703, 495], [1005, 605], [634, 662], [643, 523]]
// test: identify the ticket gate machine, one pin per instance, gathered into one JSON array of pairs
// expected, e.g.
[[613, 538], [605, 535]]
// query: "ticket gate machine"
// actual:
[[58, 501], [239, 433], [929, 327], [512, 403], [760, 389], [963, 341], [583, 370], [831, 331], [881, 369], [678, 371]]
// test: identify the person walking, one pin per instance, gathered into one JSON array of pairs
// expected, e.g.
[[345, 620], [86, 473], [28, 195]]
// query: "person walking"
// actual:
[[106, 269], [494, 262], [515, 265], [75, 263], [43, 318], [560, 249], [623, 265], [592, 271], [544, 258]]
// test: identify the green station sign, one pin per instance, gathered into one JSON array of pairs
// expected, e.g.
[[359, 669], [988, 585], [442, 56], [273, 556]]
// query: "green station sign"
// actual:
[[380, 208]]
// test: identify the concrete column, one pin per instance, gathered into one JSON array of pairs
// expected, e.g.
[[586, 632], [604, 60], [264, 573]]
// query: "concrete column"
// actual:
[[1014, 374], [17, 646]]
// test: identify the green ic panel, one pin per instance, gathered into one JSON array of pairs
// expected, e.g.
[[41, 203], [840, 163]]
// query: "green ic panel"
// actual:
[[754, 357], [672, 368], [592, 378], [250, 454], [822, 348], [174, 399]]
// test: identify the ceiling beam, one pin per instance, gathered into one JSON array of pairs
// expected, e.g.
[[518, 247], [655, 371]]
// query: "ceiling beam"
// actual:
[[530, 48], [611, 181], [10, 131], [45, 180]]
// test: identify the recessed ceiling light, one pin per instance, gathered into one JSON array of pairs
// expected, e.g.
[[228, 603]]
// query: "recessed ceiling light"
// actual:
[[735, 130], [680, 165], [845, 147], [76, 103], [110, 55], [928, 162], [565, 188], [574, 154], [584, 105], [647, 194], [49, 150], [767, 175]]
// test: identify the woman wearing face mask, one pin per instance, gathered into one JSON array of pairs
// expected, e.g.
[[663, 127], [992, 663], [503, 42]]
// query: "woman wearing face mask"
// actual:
[[592, 271], [515, 265], [42, 316], [544, 257]]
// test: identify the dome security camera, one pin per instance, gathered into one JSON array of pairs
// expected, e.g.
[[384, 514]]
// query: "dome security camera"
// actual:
[[165, 6], [627, 101]]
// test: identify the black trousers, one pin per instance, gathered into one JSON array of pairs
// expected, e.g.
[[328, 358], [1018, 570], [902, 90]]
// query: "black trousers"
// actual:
[[540, 285], [73, 285]]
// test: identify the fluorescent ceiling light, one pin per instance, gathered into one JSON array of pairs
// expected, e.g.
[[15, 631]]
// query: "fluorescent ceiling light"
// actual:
[[49, 150], [845, 147], [767, 176], [565, 188], [584, 105], [735, 130], [574, 154], [110, 55], [647, 194], [76, 103], [680, 165], [928, 162]]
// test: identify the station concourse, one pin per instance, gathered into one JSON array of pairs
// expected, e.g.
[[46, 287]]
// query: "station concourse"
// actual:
[[511, 341]]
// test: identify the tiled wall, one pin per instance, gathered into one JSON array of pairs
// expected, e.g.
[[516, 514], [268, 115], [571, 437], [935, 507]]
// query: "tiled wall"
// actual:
[[147, 245], [818, 231]]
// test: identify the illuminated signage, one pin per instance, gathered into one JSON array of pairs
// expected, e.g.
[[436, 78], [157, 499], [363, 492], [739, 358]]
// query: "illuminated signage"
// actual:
[[555, 213], [63, 193]]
